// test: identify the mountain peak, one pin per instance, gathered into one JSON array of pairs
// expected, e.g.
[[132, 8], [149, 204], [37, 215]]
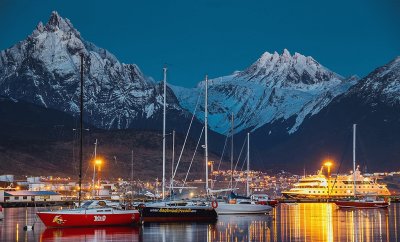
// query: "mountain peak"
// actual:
[[56, 22], [55, 18], [286, 69], [286, 53]]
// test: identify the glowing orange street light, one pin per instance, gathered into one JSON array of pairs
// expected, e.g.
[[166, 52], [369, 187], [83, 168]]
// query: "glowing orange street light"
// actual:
[[328, 164], [97, 163]]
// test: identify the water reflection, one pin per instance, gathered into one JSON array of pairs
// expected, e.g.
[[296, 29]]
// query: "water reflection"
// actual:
[[242, 228], [296, 222], [325, 222], [91, 234]]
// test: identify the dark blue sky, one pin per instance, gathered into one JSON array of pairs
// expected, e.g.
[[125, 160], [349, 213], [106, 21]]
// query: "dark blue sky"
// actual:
[[220, 36]]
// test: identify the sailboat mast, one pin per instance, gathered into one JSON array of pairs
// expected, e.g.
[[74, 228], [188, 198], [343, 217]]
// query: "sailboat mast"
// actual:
[[232, 120], [94, 167], [81, 135], [248, 166], [173, 161], [206, 130], [354, 158], [131, 168], [164, 115]]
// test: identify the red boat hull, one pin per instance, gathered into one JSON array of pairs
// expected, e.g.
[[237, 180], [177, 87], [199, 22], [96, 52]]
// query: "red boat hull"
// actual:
[[358, 204], [59, 220], [272, 203]]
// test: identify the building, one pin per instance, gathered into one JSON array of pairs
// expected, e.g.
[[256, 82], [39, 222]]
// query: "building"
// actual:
[[29, 196]]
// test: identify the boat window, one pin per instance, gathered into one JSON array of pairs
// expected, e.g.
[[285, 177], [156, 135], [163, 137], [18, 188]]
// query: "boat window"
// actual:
[[102, 203], [109, 210], [244, 202], [100, 210], [87, 204]]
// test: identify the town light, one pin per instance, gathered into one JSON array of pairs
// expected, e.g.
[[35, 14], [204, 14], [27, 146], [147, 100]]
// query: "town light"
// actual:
[[328, 164], [98, 162]]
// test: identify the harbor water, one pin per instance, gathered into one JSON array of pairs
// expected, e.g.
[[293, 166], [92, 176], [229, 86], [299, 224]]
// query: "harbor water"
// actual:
[[287, 222]]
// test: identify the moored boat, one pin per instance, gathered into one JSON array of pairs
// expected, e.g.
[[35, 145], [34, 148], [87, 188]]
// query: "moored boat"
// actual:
[[363, 203], [178, 211], [173, 211], [264, 200], [241, 205], [368, 201], [91, 213]]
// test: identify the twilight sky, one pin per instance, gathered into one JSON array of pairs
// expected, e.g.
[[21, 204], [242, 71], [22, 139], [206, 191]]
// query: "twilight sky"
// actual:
[[217, 37]]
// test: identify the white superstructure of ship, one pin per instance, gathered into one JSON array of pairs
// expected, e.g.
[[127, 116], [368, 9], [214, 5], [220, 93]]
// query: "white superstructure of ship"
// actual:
[[320, 186]]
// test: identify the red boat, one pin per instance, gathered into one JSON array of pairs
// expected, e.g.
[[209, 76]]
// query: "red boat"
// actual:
[[362, 203], [92, 213], [264, 200]]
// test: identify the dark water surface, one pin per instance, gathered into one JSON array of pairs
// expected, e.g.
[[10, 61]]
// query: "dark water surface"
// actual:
[[294, 222]]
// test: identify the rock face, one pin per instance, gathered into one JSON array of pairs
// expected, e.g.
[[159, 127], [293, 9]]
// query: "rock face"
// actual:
[[44, 69], [274, 88]]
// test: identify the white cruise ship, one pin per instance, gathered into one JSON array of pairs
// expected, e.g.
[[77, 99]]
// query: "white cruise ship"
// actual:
[[320, 186]]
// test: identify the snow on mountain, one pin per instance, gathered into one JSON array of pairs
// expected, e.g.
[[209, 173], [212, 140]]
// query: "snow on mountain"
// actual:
[[275, 87], [381, 85], [44, 69]]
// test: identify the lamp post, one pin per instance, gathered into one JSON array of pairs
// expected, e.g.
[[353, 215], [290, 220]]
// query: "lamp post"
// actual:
[[328, 164], [97, 163]]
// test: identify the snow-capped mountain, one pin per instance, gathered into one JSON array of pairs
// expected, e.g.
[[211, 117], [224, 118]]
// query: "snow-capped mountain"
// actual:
[[381, 85], [275, 87], [44, 69], [373, 104]]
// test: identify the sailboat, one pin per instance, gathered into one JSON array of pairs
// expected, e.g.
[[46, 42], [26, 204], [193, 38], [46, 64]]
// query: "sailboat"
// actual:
[[368, 201], [243, 204], [91, 213], [178, 211]]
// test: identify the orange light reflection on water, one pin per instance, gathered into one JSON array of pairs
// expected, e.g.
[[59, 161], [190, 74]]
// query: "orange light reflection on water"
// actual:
[[325, 222]]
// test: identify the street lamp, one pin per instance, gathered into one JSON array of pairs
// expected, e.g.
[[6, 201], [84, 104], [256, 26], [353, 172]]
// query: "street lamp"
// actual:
[[328, 164], [97, 163]]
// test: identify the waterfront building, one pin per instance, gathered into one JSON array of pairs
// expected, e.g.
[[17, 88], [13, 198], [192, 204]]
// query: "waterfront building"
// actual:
[[29, 196]]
